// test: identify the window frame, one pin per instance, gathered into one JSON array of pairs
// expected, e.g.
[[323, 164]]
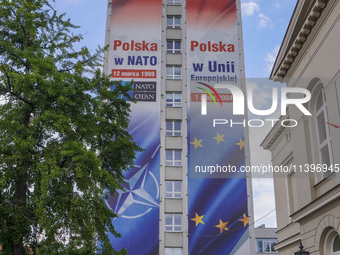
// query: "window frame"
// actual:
[[328, 242], [172, 192], [173, 131], [172, 250], [173, 24], [174, 2], [326, 143], [173, 44], [333, 244], [173, 226], [173, 161], [271, 241], [172, 99], [171, 72]]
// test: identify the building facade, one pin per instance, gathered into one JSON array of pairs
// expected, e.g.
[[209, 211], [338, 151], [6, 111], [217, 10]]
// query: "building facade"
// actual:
[[175, 51], [266, 239], [308, 197]]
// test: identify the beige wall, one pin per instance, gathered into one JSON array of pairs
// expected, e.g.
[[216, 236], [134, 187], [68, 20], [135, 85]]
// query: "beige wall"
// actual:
[[308, 206]]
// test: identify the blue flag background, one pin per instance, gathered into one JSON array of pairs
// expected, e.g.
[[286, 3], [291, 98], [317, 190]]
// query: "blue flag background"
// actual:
[[138, 204], [219, 197]]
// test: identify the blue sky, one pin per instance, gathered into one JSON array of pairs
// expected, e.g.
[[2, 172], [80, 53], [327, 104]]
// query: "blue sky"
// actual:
[[264, 26]]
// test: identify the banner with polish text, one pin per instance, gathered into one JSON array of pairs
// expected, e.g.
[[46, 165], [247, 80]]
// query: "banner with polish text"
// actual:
[[134, 54], [217, 193]]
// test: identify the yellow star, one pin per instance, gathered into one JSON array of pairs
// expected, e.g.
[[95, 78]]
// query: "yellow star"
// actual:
[[219, 138], [197, 143], [245, 220], [198, 219], [222, 226], [241, 144]]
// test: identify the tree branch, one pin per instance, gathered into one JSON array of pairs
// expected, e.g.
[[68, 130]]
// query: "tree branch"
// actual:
[[15, 93]]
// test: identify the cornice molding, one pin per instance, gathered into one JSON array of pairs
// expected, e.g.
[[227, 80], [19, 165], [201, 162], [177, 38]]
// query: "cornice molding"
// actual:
[[293, 50]]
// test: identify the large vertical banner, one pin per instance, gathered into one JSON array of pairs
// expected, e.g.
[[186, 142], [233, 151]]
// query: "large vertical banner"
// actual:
[[134, 54], [218, 214]]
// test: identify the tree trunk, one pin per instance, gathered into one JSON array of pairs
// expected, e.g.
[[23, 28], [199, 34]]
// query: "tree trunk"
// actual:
[[19, 249], [21, 188]]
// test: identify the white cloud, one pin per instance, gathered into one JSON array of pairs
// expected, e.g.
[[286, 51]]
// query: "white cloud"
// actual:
[[270, 58], [263, 189], [264, 21], [277, 5], [249, 9], [264, 202], [261, 96]]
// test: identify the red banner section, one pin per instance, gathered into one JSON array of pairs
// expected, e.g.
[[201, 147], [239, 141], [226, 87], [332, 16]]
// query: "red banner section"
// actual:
[[133, 73], [226, 98]]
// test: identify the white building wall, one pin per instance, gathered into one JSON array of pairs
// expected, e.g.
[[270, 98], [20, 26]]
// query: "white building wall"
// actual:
[[308, 206]]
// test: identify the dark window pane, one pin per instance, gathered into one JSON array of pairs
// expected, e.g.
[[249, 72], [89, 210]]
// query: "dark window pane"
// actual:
[[177, 155], [319, 103], [169, 70], [168, 219], [325, 155], [177, 251], [177, 22], [321, 127], [168, 155], [272, 246], [178, 186], [168, 186], [178, 219], [266, 247], [177, 125], [259, 246], [336, 244], [177, 70], [177, 44], [169, 125]]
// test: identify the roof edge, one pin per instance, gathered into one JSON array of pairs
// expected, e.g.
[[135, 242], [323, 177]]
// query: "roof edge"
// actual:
[[300, 27]]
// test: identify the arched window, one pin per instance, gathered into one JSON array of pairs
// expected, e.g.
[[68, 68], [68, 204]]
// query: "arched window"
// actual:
[[324, 139], [330, 242], [336, 246]]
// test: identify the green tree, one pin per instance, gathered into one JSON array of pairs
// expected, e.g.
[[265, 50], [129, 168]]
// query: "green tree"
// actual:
[[63, 139]]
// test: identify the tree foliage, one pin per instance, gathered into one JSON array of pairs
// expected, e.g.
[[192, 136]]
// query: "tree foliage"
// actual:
[[63, 138]]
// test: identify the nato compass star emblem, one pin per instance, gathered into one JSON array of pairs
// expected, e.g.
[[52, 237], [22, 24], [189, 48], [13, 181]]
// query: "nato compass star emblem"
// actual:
[[141, 194]]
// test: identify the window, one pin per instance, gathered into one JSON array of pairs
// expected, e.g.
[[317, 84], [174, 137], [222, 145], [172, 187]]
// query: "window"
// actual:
[[173, 157], [265, 245], [174, 2], [173, 72], [173, 99], [173, 46], [331, 242], [336, 246], [324, 139], [173, 222], [173, 189], [173, 22], [173, 251], [173, 127]]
